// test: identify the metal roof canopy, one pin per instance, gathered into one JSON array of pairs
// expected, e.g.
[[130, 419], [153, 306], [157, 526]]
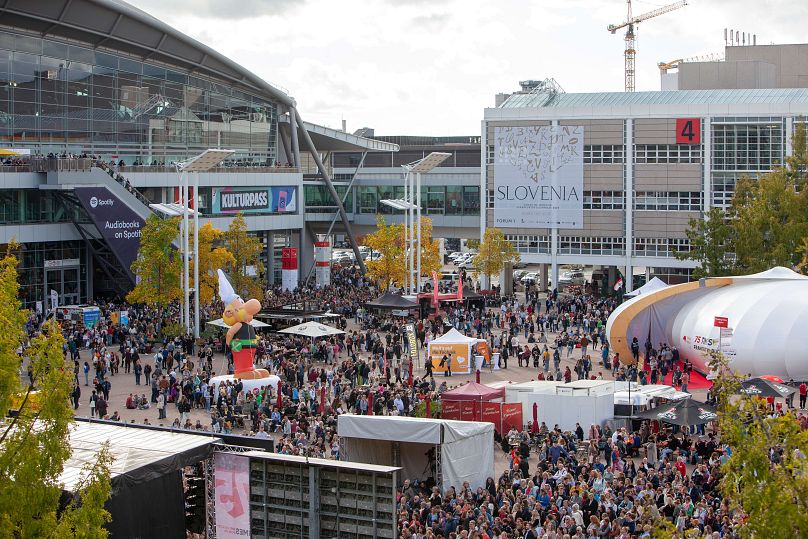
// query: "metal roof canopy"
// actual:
[[132, 448], [422, 166], [171, 209], [204, 161], [327, 139], [398, 204]]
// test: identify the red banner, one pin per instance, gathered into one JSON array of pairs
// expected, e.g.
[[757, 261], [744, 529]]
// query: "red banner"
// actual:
[[512, 416], [468, 410], [289, 258], [491, 412], [720, 322], [450, 409]]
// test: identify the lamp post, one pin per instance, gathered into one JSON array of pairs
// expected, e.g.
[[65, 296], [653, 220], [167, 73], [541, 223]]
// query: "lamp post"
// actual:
[[422, 166], [200, 163]]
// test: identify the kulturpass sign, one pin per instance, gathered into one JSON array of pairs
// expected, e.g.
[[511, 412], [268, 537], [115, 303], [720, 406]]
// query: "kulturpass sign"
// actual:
[[539, 176], [118, 224]]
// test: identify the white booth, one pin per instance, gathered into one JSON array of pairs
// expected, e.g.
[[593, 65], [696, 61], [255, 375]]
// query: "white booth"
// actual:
[[586, 402], [460, 450], [456, 346]]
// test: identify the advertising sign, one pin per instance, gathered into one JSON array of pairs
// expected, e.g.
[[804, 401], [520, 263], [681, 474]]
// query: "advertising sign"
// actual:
[[459, 356], [92, 316], [231, 200], [124, 318], [450, 409], [289, 271], [119, 225], [539, 176], [322, 260], [512, 416], [491, 412], [721, 322], [232, 495], [468, 411], [54, 297], [413, 342]]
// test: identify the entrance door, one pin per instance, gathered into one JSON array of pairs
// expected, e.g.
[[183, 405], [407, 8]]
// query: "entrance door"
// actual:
[[66, 283]]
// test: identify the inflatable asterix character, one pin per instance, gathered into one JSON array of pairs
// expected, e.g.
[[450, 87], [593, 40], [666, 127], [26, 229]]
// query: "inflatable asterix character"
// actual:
[[241, 336]]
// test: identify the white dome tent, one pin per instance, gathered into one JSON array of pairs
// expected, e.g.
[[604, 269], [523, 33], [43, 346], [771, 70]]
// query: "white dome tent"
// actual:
[[766, 312]]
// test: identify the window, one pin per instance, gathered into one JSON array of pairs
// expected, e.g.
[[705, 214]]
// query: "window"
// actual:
[[604, 154], [660, 247], [667, 153], [668, 200], [748, 147], [471, 200], [454, 200], [530, 244], [435, 200], [603, 200], [576, 245], [368, 199]]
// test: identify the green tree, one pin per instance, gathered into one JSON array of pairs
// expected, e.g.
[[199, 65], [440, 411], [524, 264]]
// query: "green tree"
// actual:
[[211, 258], [712, 242], [34, 444], [246, 251], [495, 251], [158, 264], [774, 495]]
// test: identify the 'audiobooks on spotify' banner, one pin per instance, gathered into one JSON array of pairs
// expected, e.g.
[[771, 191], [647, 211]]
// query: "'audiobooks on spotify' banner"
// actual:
[[539, 176], [119, 225]]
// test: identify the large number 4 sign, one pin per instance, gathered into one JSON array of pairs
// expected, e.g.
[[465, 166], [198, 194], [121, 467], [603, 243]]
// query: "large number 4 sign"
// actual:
[[688, 131]]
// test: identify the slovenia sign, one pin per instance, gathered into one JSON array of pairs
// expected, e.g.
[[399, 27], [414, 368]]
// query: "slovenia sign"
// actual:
[[539, 177]]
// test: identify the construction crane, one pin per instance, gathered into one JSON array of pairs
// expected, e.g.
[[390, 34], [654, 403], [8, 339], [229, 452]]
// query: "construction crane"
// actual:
[[630, 22]]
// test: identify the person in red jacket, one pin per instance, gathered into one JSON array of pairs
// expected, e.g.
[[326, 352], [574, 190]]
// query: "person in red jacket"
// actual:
[[803, 393]]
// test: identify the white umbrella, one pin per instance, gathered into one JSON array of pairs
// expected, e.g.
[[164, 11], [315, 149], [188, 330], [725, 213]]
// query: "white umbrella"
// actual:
[[254, 323], [313, 330]]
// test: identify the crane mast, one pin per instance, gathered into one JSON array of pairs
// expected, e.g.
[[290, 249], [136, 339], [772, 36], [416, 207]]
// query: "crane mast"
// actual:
[[630, 50]]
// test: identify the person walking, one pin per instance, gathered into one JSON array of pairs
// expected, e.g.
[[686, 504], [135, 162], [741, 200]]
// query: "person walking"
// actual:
[[803, 393]]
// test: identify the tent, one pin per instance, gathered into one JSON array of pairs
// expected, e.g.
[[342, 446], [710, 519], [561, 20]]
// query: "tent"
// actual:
[[458, 345], [463, 450], [219, 323], [388, 300], [313, 330], [651, 286], [472, 391], [473, 402]]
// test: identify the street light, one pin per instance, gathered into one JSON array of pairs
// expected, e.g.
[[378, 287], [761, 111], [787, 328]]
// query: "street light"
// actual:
[[422, 166], [200, 163]]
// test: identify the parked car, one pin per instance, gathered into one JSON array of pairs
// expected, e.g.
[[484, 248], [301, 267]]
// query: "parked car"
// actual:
[[573, 277], [518, 274], [530, 278], [452, 256]]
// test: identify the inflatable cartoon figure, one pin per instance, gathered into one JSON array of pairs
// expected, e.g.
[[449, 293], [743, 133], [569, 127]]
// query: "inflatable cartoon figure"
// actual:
[[241, 336]]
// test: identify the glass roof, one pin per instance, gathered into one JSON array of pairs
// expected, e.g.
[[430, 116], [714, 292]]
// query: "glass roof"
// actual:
[[677, 97]]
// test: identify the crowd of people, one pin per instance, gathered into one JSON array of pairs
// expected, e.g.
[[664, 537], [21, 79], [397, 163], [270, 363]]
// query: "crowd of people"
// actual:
[[584, 484]]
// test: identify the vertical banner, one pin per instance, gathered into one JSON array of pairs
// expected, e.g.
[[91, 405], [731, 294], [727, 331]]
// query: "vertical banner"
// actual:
[[54, 297], [38, 307], [115, 317], [413, 342], [539, 176], [118, 224], [232, 495], [124, 318], [467, 411], [289, 270], [491, 412], [322, 260], [512, 416]]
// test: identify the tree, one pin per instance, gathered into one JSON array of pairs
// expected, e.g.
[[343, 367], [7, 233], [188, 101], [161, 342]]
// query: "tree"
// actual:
[[158, 264], [430, 249], [772, 492], [246, 251], [770, 221], [388, 240], [473, 244], [495, 251], [34, 444], [712, 241], [211, 258]]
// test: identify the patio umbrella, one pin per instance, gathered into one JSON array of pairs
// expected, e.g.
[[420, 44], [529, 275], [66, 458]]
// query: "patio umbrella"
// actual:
[[219, 323], [684, 413], [313, 330], [762, 387], [428, 407], [535, 427], [773, 378]]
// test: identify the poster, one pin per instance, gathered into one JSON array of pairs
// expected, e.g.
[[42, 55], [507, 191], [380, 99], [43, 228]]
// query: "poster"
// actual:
[[491, 412], [232, 200], [468, 411], [539, 176], [512, 416], [459, 356], [450, 409], [38, 307], [118, 224], [124, 318], [54, 297], [232, 495]]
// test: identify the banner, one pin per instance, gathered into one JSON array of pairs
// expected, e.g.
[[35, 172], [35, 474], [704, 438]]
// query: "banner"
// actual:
[[459, 356], [230, 200], [539, 176], [512, 416], [124, 318], [232, 495], [54, 297], [115, 317], [119, 225], [491, 412], [38, 307], [322, 260], [289, 270], [468, 411], [449, 409], [413, 342]]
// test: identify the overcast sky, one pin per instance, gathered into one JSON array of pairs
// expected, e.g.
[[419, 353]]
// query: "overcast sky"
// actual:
[[429, 67]]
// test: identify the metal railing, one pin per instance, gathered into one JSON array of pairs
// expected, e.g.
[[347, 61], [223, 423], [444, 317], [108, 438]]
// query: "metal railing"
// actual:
[[255, 169]]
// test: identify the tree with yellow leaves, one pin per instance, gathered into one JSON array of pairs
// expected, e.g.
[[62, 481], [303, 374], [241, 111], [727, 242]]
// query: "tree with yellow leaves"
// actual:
[[495, 252], [388, 241], [158, 264], [211, 257], [430, 249], [246, 251]]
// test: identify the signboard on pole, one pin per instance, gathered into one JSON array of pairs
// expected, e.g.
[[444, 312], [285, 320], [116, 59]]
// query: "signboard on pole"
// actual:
[[232, 495], [539, 176], [721, 322]]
